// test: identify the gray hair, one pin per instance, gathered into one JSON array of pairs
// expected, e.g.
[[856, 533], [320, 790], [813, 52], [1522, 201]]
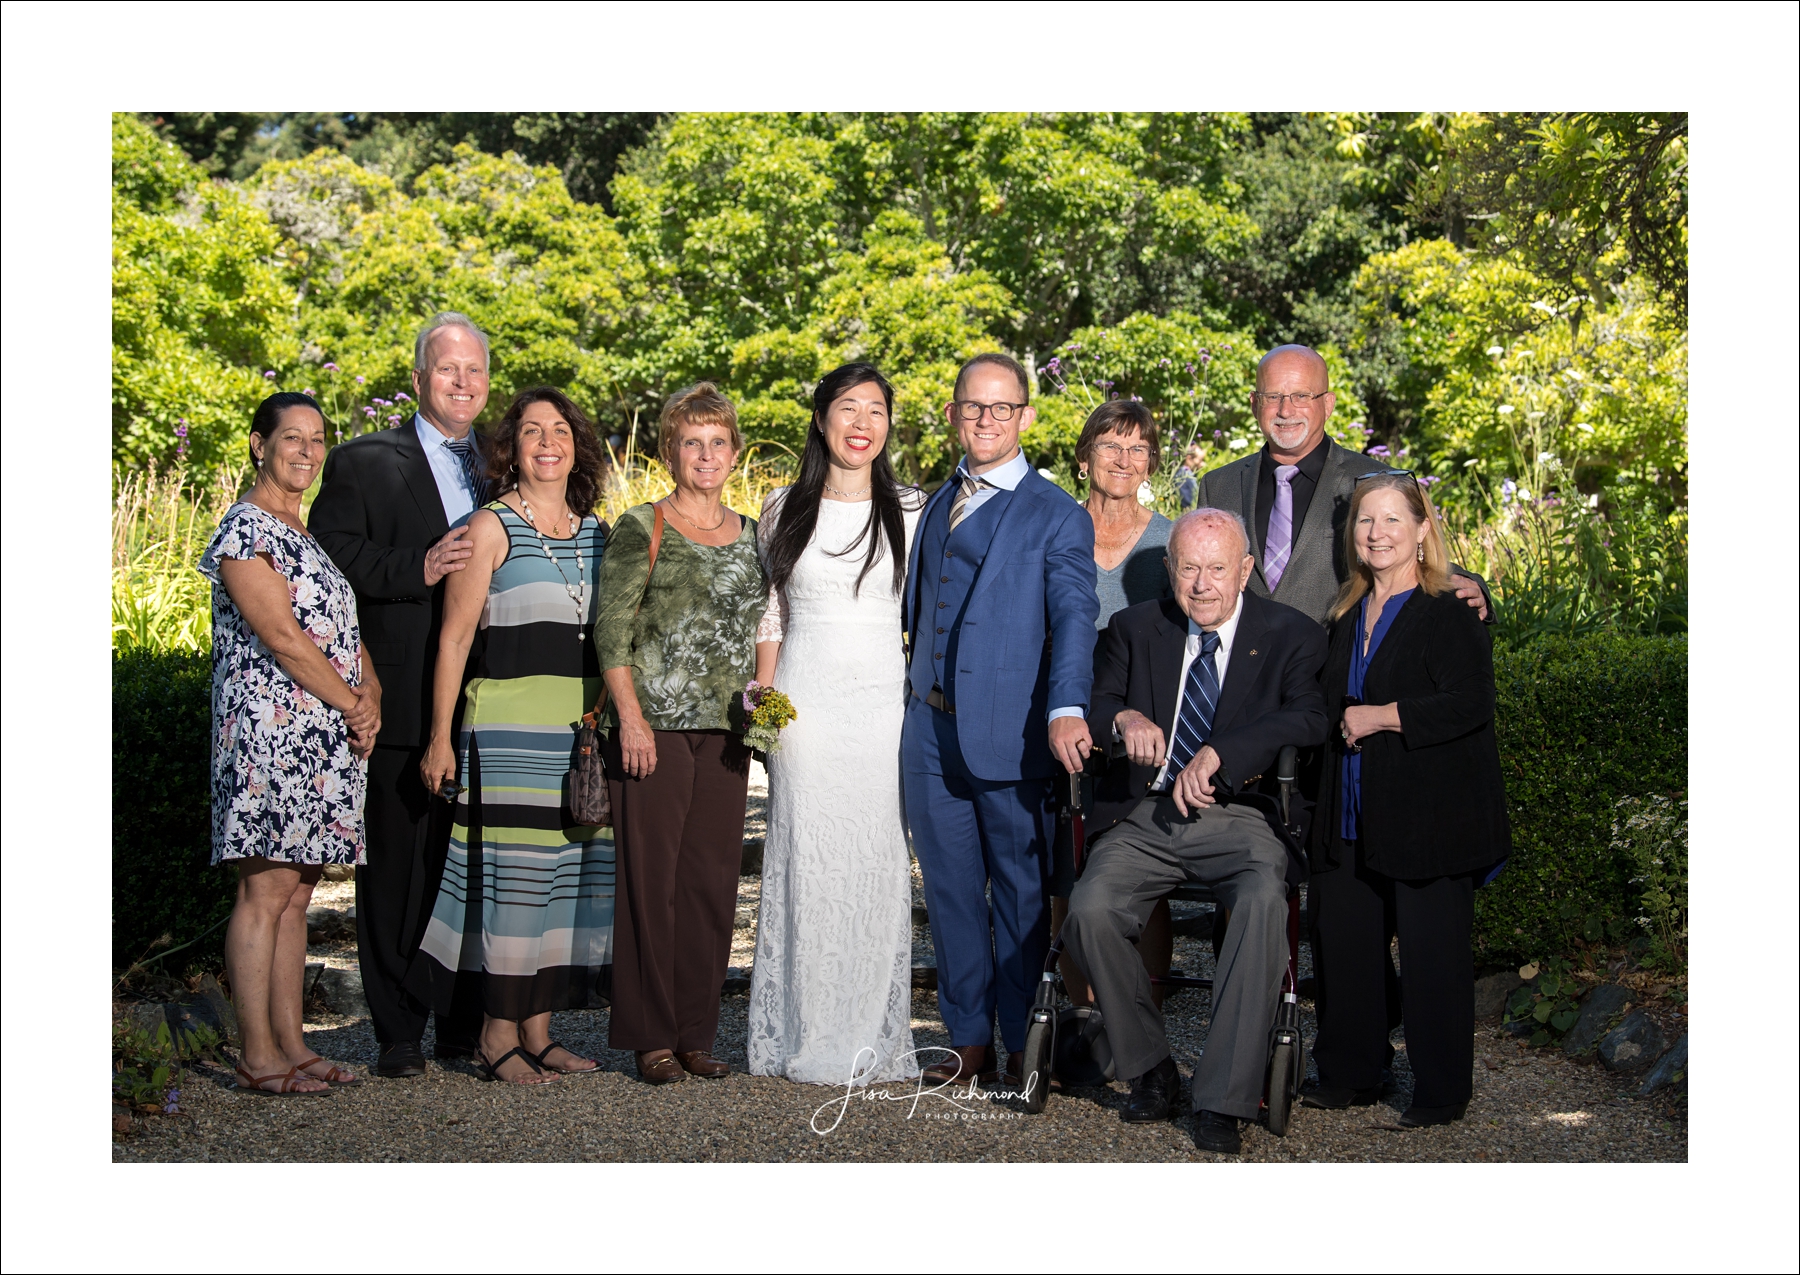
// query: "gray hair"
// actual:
[[1206, 516], [447, 319]]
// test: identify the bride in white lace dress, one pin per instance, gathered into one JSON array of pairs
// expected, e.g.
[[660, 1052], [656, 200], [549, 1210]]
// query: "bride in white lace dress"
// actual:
[[831, 989]]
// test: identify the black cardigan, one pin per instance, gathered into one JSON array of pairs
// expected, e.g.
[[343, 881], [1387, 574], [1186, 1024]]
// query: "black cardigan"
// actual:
[[1433, 801]]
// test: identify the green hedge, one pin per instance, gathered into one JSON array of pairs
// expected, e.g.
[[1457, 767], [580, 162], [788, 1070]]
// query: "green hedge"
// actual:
[[163, 881], [1582, 722]]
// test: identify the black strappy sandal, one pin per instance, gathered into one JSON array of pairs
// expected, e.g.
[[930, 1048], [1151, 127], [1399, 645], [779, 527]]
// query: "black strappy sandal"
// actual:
[[491, 1070], [543, 1065]]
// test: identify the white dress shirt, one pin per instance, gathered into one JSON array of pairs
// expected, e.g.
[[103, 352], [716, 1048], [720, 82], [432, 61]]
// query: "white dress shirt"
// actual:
[[1221, 659], [1006, 477], [446, 468]]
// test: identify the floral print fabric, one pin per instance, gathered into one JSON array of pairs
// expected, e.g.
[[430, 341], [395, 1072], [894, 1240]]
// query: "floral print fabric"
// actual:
[[285, 785], [692, 647]]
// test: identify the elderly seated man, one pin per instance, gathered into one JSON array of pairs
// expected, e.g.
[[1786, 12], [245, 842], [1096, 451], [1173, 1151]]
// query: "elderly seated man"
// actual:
[[1203, 690]]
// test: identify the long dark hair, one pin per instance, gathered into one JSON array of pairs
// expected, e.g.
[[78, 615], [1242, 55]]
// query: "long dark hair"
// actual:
[[799, 514], [590, 458]]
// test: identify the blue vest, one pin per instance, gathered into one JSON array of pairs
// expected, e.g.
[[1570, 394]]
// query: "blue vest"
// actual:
[[948, 568]]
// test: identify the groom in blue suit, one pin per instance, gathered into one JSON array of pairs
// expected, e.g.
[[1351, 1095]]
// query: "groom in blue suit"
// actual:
[[1000, 612]]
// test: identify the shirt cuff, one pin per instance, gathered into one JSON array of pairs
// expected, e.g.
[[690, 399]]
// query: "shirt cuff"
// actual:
[[1067, 712]]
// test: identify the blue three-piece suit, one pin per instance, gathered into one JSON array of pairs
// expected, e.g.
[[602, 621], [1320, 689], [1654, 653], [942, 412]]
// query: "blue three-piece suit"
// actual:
[[1001, 614]]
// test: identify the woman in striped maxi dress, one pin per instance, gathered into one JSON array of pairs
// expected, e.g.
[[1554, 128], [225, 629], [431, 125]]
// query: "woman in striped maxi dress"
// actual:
[[527, 896]]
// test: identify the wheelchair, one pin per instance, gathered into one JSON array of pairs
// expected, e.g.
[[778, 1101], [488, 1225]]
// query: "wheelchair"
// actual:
[[1068, 1042]]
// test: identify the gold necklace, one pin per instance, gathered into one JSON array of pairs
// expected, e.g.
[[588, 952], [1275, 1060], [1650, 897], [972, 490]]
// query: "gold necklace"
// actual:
[[690, 522]]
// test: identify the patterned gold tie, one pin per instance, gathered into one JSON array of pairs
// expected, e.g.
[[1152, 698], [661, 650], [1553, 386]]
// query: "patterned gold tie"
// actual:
[[959, 508]]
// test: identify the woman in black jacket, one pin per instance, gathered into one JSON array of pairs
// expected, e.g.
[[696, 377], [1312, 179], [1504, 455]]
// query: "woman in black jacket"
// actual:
[[1412, 811]]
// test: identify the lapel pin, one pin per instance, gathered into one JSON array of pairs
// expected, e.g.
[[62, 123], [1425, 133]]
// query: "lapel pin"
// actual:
[[1253, 650]]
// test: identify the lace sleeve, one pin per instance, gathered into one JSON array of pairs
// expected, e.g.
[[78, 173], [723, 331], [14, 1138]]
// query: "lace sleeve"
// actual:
[[774, 621]]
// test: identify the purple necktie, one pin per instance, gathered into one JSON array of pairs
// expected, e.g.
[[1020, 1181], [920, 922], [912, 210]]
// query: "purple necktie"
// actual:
[[1280, 546]]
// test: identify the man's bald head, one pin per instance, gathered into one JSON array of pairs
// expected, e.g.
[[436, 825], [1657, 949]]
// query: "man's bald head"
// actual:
[[1292, 402], [1302, 358], [1209, 563]]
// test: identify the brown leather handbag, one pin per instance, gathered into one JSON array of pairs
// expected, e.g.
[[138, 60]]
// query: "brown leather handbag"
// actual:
[[590, 803]]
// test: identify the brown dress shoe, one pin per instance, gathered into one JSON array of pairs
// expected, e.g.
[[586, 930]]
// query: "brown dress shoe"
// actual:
[[1013, 1077], [701, 1063], [658, 1067], [970, 1062]]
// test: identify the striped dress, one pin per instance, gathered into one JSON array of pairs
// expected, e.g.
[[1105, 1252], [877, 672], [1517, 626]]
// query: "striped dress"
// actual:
[[527, 896]]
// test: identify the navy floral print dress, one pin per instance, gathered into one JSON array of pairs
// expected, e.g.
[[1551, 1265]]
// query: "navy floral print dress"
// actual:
[[285, 785]]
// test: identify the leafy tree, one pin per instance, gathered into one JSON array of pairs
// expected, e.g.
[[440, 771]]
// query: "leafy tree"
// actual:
[[200, 306], [1583, 198], [898, 304]]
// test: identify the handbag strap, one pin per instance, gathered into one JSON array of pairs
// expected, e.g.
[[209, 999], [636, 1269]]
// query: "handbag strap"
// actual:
[[592, 716]]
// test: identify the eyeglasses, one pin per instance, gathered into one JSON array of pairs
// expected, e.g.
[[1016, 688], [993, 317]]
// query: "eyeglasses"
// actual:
[[1384, 473], [999, 411], [1112, 451], [1278, 401]]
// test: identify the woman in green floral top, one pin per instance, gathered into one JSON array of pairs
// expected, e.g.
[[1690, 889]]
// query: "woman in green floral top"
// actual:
[[677, 645]]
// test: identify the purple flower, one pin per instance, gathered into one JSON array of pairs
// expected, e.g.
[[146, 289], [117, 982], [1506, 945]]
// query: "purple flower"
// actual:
[[331, 367], [1072, 347], [1190, 369], [308, 390], [369, 412], [268, 376], [1105, 385], [403, 397], [359, 380], [1224, 349], [1162, 363], [1205, 358], [1427, 480], [181, 429], [1054, 367], [1380, 450], [394, 419], [1218, 433]]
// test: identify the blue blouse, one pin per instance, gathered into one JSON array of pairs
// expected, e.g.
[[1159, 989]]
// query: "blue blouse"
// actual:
[[1350, 776]]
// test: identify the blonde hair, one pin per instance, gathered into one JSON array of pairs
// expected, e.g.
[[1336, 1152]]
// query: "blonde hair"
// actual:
[[1434, 571], [700, 404]]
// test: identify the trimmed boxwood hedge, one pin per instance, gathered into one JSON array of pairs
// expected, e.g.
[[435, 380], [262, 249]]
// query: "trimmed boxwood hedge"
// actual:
[[1582, 722], [163, 881]]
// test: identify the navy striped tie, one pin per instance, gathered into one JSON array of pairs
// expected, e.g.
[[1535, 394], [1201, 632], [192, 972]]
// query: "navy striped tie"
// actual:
[[464, 448], [1199, 697]]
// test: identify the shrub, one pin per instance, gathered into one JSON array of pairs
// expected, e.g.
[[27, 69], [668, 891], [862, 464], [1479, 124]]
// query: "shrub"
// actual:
[[1651, 835], [166, 894], [1583, 724]]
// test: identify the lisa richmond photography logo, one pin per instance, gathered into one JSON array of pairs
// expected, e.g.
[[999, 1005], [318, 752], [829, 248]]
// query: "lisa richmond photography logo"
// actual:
[[958, 1099]]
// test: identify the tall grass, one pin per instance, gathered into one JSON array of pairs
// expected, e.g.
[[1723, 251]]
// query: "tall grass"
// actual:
[[161, 523], [163, 519]]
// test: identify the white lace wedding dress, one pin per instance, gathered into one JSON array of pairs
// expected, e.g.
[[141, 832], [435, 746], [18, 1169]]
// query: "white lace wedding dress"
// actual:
[[831, 989]]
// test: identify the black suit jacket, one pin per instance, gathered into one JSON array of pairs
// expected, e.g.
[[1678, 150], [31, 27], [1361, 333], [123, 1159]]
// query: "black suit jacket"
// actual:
[[1433, 800], [376, 514], [1270, 698]]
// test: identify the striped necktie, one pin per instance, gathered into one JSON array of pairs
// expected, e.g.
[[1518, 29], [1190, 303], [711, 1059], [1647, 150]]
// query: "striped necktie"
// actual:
[[959, 508], [1199, 696], [470, 460], [1280, 546]]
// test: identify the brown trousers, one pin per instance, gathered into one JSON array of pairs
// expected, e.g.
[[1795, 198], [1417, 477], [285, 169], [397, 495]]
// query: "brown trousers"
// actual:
[[680, 834]]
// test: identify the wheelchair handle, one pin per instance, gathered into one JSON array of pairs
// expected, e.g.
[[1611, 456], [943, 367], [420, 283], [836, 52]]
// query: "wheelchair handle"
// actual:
[[1287, 774]]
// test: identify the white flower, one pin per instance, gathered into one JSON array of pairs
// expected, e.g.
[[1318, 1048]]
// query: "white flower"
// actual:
[[1496, 351], [1584, 427], [1506, 409], [1145, 495], [1546, 458]]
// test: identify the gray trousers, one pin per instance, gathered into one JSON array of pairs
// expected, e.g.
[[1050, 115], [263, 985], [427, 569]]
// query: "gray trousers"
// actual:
[[1232, 849]]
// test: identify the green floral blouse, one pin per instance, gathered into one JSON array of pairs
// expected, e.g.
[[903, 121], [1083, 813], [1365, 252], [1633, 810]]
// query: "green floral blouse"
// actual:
[[692, 647]]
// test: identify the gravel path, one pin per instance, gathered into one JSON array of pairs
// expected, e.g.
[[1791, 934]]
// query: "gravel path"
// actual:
[[1529, 1105]]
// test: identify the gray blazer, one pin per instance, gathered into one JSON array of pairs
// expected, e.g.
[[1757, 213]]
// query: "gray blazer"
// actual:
[[1316, 567]]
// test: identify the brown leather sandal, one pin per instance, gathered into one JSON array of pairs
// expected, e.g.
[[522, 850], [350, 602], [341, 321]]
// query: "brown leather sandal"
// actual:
[[336, 1075], [658, 1067], [289, 1079]]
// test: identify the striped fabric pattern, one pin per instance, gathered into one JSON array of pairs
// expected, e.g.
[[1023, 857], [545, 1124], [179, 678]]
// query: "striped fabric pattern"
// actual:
[[526, 896], [1199, 698]]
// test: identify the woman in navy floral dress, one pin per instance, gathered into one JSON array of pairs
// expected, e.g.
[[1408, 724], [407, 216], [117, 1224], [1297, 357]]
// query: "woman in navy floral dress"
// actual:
[[296, 707]]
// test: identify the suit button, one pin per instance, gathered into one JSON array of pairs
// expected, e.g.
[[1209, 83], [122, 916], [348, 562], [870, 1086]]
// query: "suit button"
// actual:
[[943, 579], [942, 605], [939, 655], [940, 630]]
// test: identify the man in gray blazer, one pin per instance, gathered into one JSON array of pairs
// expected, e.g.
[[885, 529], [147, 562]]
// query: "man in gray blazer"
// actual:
[[1294, 492]]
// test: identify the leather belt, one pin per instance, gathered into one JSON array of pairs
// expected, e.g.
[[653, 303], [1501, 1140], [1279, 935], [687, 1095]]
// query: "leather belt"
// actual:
[[936, 699]]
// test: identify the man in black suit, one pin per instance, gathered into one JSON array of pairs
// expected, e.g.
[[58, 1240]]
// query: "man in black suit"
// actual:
[[1203, 690], [392, 512]]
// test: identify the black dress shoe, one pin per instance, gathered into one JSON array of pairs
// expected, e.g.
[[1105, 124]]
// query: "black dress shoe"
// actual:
[[400, 1058], [1421, 1117], [1153, 1094], [1338, 1097], [1214, 1132]]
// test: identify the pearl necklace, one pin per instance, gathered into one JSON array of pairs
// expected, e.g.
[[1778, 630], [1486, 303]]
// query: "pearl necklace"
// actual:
[[578, 591]]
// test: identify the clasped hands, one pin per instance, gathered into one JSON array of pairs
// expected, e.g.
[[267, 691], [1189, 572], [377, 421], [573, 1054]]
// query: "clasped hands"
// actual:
[[363, 717], [1146, 745]]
